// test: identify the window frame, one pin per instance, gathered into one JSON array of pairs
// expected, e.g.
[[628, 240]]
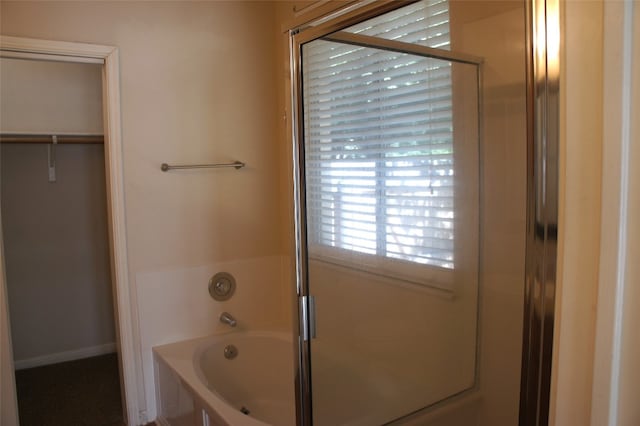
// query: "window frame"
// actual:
[[413, 273]]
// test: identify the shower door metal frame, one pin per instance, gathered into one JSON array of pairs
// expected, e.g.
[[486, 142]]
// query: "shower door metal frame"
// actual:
[[542, 43], [543, 134], [297, 37]]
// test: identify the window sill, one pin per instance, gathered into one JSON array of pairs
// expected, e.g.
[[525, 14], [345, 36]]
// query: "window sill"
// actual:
[[434, 280]]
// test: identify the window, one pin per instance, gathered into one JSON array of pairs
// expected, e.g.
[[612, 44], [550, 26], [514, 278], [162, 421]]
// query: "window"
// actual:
[[379, 144]]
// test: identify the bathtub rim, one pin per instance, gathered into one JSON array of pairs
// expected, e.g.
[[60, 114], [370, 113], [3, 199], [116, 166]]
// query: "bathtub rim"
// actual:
[[180, 358]]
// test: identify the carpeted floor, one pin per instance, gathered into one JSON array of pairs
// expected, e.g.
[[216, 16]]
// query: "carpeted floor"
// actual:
[[85, 392]]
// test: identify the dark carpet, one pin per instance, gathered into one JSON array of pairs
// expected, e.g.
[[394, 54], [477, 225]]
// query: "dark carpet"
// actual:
[[85, 392]]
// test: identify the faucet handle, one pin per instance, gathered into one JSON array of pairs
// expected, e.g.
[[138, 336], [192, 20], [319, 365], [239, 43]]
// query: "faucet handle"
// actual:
[[222, 286]]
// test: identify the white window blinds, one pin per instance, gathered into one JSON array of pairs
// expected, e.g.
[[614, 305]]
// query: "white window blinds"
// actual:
[[379, 141]]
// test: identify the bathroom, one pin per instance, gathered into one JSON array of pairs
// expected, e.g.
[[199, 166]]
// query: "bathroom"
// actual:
[[209, 81]]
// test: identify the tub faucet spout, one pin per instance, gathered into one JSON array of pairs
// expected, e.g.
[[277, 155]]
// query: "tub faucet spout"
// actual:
[[227, 318]]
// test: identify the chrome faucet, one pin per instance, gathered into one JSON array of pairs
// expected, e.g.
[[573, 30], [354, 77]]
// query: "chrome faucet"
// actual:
[[227, 318]]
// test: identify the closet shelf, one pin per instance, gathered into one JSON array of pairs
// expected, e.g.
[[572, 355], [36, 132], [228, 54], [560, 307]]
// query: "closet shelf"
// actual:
[[48, 138]]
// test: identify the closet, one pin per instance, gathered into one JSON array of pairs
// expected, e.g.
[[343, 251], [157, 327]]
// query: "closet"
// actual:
[[56, 246]]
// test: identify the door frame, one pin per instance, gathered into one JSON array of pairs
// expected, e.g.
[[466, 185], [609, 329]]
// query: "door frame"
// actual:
[[125, 311]]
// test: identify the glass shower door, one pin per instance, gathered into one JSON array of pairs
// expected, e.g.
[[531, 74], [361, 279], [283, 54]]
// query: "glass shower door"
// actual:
[[391, 195]]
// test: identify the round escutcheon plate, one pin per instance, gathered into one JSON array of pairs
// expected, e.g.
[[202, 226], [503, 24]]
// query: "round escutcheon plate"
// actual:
[[222, 286]]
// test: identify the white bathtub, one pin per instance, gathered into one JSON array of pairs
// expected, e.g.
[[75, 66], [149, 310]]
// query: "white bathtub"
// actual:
[[196, 385]]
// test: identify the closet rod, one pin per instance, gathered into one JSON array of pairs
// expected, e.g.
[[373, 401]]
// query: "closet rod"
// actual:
[[61, 139]]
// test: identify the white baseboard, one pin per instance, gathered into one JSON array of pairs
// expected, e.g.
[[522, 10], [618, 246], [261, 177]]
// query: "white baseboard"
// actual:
[[87, 352]]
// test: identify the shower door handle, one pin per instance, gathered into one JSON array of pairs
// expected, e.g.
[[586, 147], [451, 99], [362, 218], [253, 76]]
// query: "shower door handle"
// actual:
[[308, 311]]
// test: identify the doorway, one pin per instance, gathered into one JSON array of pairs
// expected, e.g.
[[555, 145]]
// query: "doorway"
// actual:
[[56, 243], [105, 59]]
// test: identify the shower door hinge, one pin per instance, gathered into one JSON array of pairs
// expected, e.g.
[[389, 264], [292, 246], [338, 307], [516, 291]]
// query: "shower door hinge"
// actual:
[[308, 314]]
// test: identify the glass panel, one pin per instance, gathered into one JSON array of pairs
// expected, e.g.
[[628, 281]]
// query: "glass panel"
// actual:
[[392, 188], [415, 191]]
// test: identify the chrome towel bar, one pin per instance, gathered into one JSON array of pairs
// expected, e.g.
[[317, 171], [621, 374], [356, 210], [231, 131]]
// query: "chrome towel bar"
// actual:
[[236, 165]]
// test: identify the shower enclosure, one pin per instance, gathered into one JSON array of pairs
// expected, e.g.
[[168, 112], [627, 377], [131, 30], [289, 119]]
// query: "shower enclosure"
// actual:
[[416, 253]]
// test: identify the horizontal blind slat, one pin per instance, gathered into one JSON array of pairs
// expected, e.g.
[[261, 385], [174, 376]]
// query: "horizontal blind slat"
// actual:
[[436, 232], [358, 75]]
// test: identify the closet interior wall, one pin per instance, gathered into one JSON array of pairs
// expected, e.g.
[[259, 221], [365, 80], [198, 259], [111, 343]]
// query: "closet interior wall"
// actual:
[[55, 233]]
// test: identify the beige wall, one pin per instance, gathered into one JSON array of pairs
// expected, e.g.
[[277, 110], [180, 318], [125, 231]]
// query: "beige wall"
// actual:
[[50, 97], [615, 373], [579, 214], [596, 351], [198, 84]]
